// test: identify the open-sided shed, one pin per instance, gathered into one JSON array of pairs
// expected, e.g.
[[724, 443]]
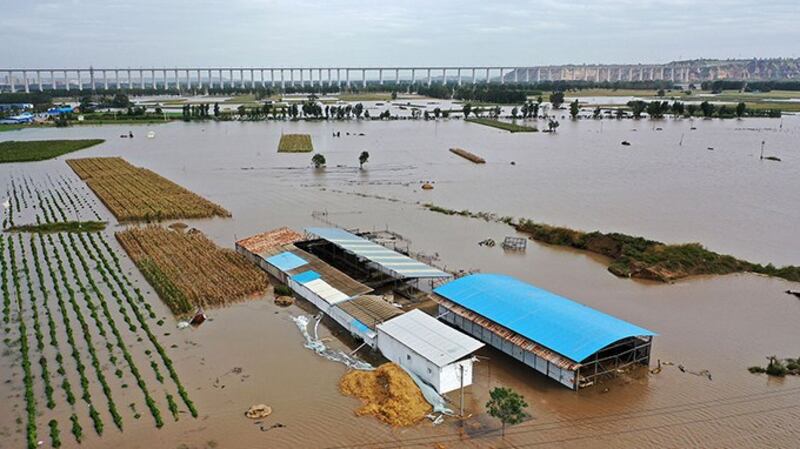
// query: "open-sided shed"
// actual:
[[572, 343]]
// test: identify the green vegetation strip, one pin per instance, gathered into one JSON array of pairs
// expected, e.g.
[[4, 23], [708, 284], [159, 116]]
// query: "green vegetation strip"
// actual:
[[61, 226], [637, 257], [40, 150], [778, 368], [510, 127], [295, 143]]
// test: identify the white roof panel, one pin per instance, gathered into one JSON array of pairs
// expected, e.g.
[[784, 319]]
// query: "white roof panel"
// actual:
[[326, 291], [430, 338]]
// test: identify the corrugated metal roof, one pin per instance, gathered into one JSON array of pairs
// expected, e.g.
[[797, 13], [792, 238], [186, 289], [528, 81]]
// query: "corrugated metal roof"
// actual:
[[569, 328], [429, 337], [369, 310], [398, 264], [286, 261], [325, 291], [329, 274]]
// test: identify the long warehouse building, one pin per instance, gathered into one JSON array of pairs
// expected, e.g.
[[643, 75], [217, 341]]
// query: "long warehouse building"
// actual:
[[562, 339]]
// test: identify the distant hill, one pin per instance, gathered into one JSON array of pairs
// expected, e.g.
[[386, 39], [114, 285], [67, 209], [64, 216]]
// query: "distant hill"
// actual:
[[698, 70]]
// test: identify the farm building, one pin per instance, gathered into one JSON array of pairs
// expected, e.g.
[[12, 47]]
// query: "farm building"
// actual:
[[435, 352], [372, 263], [567, 341]]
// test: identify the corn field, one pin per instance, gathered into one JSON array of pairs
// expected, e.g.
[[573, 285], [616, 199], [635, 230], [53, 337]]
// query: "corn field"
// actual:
[[133, 193], [188, 270]]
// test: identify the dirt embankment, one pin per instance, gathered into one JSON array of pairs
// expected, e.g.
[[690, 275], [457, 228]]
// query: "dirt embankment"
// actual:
[[388, 393]]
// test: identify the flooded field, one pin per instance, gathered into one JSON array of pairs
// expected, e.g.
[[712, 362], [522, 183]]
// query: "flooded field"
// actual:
[[678, 181]]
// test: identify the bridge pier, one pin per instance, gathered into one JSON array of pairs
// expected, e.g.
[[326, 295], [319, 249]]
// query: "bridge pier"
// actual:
[[429, 77], [363, 78]]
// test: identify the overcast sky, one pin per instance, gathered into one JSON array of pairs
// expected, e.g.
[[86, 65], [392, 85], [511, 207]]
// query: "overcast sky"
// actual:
[[134, 33]]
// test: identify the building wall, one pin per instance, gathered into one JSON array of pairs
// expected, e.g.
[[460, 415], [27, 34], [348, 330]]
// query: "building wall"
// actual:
[[450, 378], [404, 356], [355, 327], [564, 376]]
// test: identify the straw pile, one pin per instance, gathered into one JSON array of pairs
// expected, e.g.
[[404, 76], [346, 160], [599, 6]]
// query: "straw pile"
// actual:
[[388, 393]]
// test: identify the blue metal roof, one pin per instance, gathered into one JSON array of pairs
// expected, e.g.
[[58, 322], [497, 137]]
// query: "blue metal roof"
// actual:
[[397, 264], [569, 328], [306, 277], [286, 261]]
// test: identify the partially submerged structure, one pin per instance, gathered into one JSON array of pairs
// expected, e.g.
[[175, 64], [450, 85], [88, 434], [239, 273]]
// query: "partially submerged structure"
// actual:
[[565, 340], [433, 351], [440, 355]]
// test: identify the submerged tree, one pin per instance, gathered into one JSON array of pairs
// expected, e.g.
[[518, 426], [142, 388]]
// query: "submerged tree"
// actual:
[[740, 109], [362, 159], [507, 405], [557, 99], [318, 160], [574, 109]]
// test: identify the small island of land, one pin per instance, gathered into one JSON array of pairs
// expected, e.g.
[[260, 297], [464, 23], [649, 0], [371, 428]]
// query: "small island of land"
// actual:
[[295, 143]]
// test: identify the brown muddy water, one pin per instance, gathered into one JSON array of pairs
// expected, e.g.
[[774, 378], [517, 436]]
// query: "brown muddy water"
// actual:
[[582, 177]]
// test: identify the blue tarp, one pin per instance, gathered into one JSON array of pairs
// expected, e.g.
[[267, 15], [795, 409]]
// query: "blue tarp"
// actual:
[[306, 276], [562, 325], [397, 264], [286, 261]]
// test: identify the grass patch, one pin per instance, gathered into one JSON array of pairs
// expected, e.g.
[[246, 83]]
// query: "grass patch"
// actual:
[[40, 150], [295, 143], [13, 127], [61, 226], [510, 127]]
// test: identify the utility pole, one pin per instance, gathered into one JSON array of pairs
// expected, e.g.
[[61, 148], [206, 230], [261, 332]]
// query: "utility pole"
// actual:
[[461, 365]]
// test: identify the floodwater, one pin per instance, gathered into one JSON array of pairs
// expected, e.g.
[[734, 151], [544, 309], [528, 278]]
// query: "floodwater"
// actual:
[[668, 185]]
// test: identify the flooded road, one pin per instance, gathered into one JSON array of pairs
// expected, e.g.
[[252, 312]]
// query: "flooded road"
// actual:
[[668, 185]]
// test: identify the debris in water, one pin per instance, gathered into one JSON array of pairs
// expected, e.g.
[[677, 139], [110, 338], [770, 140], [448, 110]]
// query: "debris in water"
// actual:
[[515, 243], [710, 148], [427, 186], [316, 345], [198, 318], [258, 411], [183, 324], [488, 242], [284, 301], [388, 393], [793, 292], [152, 134], [626, 143]]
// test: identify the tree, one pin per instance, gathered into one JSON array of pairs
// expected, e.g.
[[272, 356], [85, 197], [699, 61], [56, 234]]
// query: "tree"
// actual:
[[86, 105], [362, 159], [507, 405], [394, 95], [120, 100], [515, 111], [216, 109], [574, 109], [660, 93], [552, 125], [318, 160], [707, 108], [637, 107], [358, 109], [557, 99], [691, 109], [467, 108], [741, 108]]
